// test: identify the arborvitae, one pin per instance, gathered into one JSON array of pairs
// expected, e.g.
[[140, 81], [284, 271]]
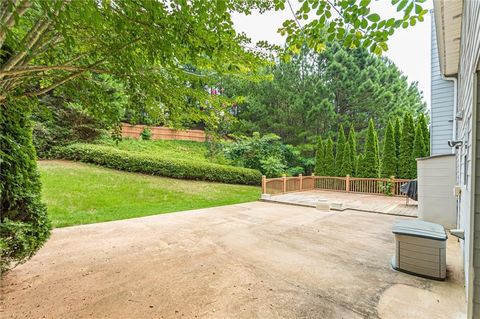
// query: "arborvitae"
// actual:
[[24, 225], [358, 165], [419, 149], [341, 140], [398, 135], [406, 161], [320, 159], [347, 165], [422, 121], [377, 152], [353, 148], [369, 167], [389, 156], [329, 159]]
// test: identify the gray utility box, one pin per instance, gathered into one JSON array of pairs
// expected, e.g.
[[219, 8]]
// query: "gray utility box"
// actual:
[[420, 249]]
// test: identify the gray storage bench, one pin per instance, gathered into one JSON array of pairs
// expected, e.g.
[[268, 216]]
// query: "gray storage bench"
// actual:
[[420, 248]]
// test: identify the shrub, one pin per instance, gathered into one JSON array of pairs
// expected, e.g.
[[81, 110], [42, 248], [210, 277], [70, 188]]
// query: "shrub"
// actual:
[[295, 171], [59, 124], [148, 164], [253, 152], [146, 134], [272, 166], [24, 225]]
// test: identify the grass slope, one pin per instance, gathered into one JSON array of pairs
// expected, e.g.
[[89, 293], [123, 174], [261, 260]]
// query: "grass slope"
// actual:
[[77, 193]]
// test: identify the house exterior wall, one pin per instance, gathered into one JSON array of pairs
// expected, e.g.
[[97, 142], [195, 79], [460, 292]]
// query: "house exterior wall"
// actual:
[[436, 180], [468, 173], [442, 101]]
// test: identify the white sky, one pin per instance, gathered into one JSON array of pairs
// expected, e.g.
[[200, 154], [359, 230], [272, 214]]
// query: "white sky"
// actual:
[[409, 48]]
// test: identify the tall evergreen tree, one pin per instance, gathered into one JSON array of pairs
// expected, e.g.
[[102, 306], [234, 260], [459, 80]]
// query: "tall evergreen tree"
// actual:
[[377, 152], [320, 159], [419, 149], [347, 165], [369, 165], [353, 148], [398, 135], [422, 121], [358, 165], [329, 158], [406, 161], [389, 156], [341, 141]]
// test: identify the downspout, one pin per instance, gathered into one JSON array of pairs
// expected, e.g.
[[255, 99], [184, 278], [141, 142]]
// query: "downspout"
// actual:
[[454, 129]]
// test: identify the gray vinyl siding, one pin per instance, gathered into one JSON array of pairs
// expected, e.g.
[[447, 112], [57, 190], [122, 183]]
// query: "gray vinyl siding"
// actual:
[[441, 104], [467, 130]]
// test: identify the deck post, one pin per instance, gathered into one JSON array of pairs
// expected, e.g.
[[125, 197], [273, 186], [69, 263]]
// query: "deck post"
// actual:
[[392, 185], [300, 176], [284, 180], [347, 183], [264, 184], [313, 177]]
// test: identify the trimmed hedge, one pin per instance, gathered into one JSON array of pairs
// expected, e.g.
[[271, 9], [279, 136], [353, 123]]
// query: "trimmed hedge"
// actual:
[[111, 157], [24, 224]]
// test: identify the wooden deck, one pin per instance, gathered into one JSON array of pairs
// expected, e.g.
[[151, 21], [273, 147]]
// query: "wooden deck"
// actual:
[[360, 202]]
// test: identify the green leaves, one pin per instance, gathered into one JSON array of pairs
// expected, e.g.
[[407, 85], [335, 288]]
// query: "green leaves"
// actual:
[[370, 30], [374, 17]]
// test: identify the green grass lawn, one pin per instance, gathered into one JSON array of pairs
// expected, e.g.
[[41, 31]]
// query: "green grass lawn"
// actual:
[[77, 193]]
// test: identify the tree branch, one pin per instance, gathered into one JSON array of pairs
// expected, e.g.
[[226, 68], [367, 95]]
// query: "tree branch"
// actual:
[[30, 69], [7, 19]]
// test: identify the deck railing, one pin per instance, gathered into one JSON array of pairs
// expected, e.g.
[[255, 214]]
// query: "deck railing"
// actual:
[[377, 186]]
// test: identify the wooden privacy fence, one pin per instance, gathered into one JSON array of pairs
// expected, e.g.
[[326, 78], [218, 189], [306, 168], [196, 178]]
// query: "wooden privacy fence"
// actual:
[[163, 133], [375, 186]]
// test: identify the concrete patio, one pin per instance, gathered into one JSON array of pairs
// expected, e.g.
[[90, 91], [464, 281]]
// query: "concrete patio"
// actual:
[[360, 202], [253, 260]]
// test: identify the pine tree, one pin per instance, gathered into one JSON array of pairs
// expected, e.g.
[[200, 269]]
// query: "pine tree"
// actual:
[[389, 156], [422, 121], [341, 141], [369, 167], [329, 159], [320, 159], [406, 160], [353, 148], [419, 149], [347, 165]]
